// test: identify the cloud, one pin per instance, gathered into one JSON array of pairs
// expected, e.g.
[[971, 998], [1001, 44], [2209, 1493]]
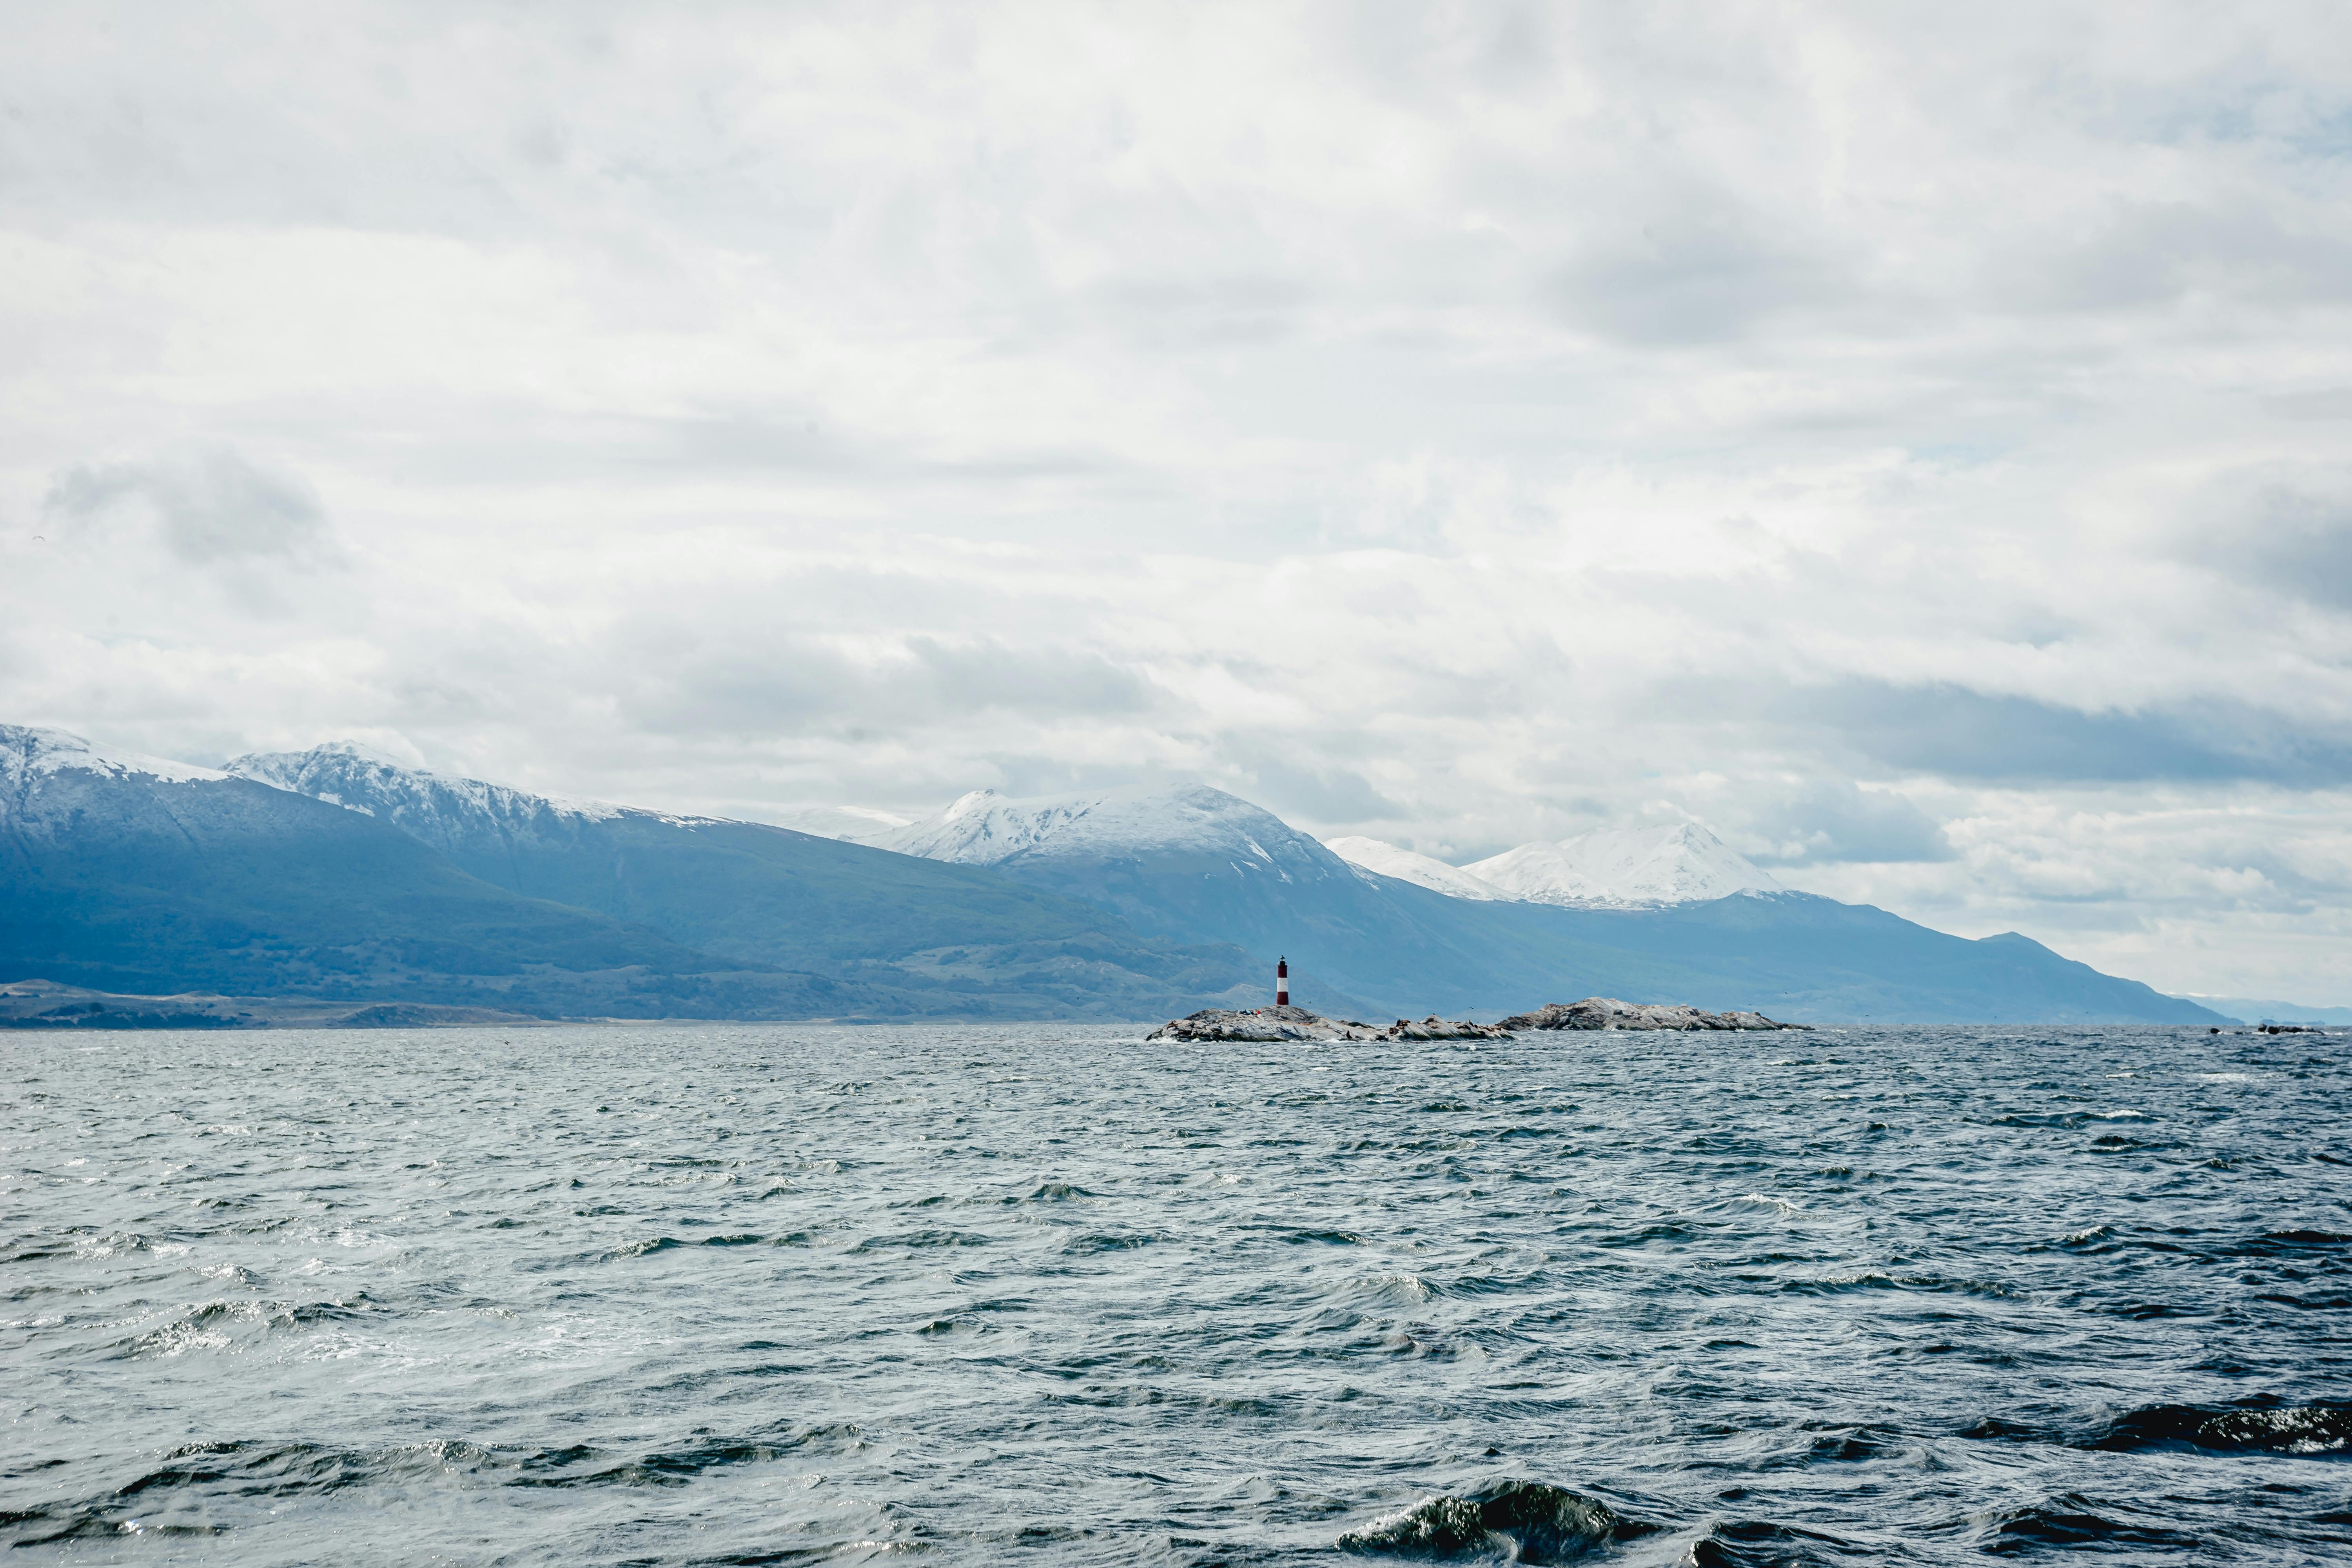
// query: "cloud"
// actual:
[[1908, 439], [747, 682], [987, 675], [1957, 733], [209, 507], [1705, 270], [2286, 530], [1318, 793], [1956, 730], [1830, 821]]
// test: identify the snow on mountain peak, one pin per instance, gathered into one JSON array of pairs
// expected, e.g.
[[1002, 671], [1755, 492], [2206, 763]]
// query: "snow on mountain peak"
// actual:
[[25, 749], [349, 774], [1630, 868], [984, 828], [363, 753], [1422, 870], [1541, 874], [1626, 867]]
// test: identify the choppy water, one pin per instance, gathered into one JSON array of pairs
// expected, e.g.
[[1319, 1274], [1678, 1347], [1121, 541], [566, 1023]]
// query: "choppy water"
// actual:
[[789, 1294]]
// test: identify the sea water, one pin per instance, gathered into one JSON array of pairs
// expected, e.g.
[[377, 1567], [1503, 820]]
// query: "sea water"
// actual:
[[1054, 1294]]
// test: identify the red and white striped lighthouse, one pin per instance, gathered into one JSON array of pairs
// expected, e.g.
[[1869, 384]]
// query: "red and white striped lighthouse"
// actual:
[[1282, 983]]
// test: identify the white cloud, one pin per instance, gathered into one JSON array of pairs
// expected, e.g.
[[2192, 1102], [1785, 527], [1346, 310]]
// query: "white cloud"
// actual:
[[1910, 442]]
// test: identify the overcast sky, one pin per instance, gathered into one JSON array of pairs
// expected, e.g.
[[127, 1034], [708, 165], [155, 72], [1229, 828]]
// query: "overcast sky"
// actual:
[[1914, 441]]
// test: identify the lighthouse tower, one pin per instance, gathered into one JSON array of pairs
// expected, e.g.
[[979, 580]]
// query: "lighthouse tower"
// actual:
[[1282, 983]]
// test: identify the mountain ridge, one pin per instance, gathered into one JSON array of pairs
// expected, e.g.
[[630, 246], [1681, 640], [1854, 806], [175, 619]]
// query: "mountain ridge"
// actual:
[[1407, 865], [1611, 867], [130, 879], [1629, 867], [334, 870], [1196, 864]]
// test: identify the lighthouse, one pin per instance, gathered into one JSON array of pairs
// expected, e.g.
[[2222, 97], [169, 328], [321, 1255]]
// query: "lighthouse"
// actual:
[[1282, 983]]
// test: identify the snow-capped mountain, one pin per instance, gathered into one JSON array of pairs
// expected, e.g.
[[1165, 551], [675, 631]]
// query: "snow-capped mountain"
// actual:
[[441, 809], [755, 893], [1625, 867], [26, 754], [1633, 868], [849, 824], [138, 874], [1540, 874], [1619, 868], [1422, 870], [985, 828], [337, 871], [1197, 865]]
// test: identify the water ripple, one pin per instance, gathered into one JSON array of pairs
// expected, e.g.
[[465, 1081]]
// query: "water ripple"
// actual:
[[789, 1294]]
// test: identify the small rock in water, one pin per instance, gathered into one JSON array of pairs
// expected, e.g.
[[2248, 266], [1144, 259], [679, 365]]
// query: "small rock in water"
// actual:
[[1261, 1024], [1299, 1024], [1521, 1521], [1436, 1028], [1607, 1012]]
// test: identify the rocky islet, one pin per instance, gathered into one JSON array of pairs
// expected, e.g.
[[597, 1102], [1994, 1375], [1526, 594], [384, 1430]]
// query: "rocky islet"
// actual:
[[1287, 1022]]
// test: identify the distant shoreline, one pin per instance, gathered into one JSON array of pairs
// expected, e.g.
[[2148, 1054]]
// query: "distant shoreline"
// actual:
[[48, 1007]]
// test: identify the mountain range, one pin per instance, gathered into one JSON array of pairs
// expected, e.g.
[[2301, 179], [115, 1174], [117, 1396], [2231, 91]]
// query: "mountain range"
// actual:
[[1667, 914], [1613, 869], [339, 874]]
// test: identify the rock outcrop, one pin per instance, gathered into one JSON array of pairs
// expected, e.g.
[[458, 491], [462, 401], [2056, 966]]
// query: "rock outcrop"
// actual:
[[1606, 1013], [1299, 1024], [1261, 1024], [1436, 1028]]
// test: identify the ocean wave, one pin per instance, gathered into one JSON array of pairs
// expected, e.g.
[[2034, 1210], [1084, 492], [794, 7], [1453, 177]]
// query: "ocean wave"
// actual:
[[918, 1239], [1753, 1543], [1050, 1193], [1105, 1241], [2291, 1243], [1339, 1309], [1846, 1448], [267, 1471], [1405, 1289], [2072, 1522], [1933, 1284], [219, 1325], [2068, 1120]]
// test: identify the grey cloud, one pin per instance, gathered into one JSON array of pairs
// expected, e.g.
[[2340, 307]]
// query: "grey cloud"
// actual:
[[1322, 795], [808, 444], [1825, 821], [1877, 728], [2330, 404], [2289, 532], [1701, 273], [1961, 733], [1204, 311], [2136, 254], [212, 505], [721, 443], [989, 674], [1124, 345], [803, 685]]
